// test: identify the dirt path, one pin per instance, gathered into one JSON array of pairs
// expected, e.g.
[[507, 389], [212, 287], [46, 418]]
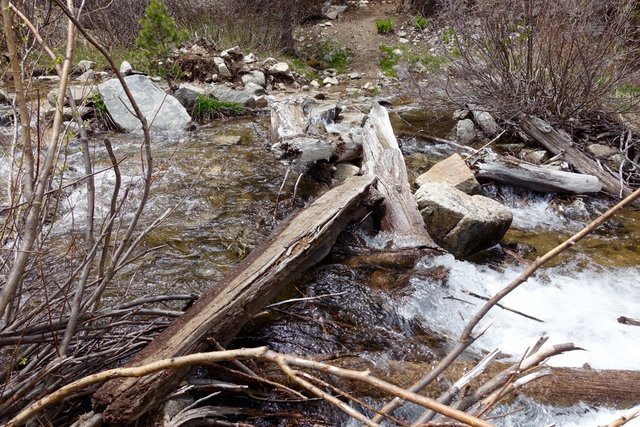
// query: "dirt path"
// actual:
[[356, 29]]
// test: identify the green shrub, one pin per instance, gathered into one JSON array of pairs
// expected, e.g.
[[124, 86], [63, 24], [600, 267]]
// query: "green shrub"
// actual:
[[384, 26], [158, 35], [207, 108], [420, 23]]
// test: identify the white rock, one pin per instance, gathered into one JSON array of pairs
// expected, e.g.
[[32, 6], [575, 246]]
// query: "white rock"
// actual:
[[255, 77], [250, 58], [85, 65], [125, 68], [330, 81]]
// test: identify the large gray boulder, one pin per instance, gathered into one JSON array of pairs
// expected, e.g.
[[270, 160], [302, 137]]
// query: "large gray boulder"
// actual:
[[460, 223], [164, 110]]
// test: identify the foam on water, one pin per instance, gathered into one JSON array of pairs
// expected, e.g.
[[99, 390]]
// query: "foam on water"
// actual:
[[577, 305]]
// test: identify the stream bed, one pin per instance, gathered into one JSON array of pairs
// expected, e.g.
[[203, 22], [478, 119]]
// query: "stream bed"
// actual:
[[227, 194]]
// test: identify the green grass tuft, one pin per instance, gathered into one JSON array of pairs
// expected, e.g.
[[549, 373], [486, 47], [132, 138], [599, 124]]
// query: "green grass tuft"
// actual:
[[384, 26], [420, 22], [207, 108]]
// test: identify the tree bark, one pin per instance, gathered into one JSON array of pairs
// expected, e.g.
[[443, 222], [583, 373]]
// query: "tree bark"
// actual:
[[544, 134], [382, 157], [516, 172], [223, 310]]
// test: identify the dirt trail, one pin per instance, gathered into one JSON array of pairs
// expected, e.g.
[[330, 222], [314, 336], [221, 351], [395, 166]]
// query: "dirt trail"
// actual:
[[356, 29]]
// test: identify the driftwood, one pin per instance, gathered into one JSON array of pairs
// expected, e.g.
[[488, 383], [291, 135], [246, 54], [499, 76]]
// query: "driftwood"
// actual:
[[304, 131], [382, 157], [508, 170], [544, 134], [562, 387], [298, 244]]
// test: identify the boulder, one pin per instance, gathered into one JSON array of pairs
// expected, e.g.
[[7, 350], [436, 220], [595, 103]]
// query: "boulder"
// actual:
[[255, 77], [165, 110], [460, 223], [466, 131], [224, 93], [485, 120], [453, 171], [188, 93], [254, 89]]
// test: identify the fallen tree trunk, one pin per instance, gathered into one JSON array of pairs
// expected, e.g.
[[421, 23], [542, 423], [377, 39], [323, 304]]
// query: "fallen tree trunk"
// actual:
[[298, 244], [544, 134], [382, 157], [508, 170], [562, 387]]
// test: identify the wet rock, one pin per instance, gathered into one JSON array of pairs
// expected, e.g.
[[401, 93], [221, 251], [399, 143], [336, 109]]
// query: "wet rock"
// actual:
[[345, 170], [85, 65], [602, 151], [226, 140], [466, 131], [256, 77], [126, 68], [188, 93], [577, 211], [460, 223], [224, 93], [165, 110], [453, 171]]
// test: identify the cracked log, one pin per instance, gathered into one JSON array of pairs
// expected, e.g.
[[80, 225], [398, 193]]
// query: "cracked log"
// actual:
[[382, 157], [544, 134], [295, 246], [508, 170]]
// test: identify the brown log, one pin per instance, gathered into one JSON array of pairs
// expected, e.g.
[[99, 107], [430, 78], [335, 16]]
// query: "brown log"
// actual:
[[508, 170], [298, 244], [562, 387], [382, 157], [544, 134]]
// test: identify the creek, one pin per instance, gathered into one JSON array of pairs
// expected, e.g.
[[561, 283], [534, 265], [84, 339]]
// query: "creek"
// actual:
[[227, 193]]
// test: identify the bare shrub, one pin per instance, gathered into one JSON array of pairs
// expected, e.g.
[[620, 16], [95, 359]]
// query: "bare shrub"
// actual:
[[552, 58]]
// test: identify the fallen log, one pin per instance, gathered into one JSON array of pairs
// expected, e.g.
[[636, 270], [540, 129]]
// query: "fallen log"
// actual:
[[298, 244], [304, 131], [508, 170], [382, 157], [544, 134], [562, 387]]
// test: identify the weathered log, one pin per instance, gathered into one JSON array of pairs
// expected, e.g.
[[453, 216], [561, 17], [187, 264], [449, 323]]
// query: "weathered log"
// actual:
[[544, 134], [484, 120], [382, 157], [562, 387], [509, 170], [304, 131], [298, 244]]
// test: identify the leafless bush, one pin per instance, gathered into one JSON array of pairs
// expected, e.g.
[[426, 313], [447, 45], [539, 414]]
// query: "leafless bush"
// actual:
[[551, 58]]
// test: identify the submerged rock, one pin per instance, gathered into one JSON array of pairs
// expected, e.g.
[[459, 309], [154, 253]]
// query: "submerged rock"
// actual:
[[460, 223], [164, 110]]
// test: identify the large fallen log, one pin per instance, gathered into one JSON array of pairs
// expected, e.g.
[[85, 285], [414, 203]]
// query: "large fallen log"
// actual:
[[382, 157], [544, 134], [298, 244], [508, 170], [562, 387]]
